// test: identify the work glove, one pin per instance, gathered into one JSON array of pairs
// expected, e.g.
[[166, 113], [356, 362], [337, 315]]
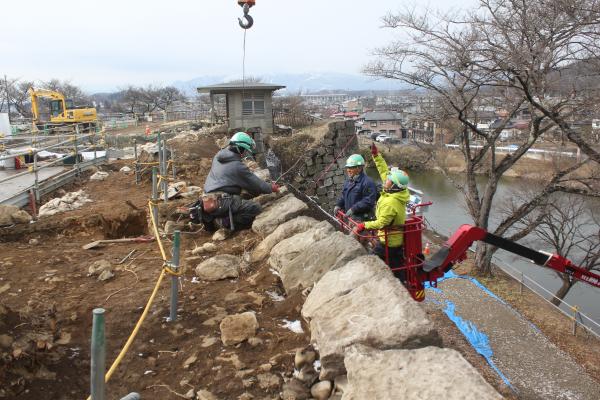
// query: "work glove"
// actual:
[[349, 213], [336, 210], [274, 187], [359, 228], [374, 150]]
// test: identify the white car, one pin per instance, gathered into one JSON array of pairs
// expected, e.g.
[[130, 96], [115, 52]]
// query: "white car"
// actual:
[[382, 138]]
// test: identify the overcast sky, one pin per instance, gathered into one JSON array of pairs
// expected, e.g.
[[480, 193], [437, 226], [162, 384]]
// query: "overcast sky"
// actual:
[[104, 45]]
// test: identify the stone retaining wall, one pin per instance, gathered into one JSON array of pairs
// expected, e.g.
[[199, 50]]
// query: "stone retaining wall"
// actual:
[[373, 340], [321, 173]]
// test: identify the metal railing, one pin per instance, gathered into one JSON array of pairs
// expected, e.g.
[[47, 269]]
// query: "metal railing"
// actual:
[[32, 144]]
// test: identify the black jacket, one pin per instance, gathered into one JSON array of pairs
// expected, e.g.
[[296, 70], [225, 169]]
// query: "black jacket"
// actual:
[[229, 174]]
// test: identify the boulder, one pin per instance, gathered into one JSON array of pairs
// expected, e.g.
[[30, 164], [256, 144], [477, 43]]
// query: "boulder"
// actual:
[[321, 390], [267, 380], [379, 313], [293, 246], [68, 202], [295, 390], [237, 328], [282, 210], [283, 231], [219, 267], [333, 252], [125, 169], [13, 215], [207, 247], [102, 269], [99, 176], [341, 281], [427, 374], [266, 199]]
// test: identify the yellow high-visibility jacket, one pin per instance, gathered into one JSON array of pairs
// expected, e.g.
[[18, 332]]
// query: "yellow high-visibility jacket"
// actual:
[[390, 210]]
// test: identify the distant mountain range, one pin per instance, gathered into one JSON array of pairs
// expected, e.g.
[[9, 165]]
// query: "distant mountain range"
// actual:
[[305, 83]]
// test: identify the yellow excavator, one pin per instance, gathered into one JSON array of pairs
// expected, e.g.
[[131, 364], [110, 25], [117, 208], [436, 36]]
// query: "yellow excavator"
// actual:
[[63, 114]]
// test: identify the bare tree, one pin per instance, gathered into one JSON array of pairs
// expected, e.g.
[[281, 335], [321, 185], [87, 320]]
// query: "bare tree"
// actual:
[[18, 96], [167, 96], [572, 230], [501, 56], [69, 90]]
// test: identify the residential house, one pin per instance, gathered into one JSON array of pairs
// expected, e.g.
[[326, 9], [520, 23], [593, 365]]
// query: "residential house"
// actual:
[[388, 122]]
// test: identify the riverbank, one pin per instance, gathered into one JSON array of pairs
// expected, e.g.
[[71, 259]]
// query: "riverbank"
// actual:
[[413, 158]]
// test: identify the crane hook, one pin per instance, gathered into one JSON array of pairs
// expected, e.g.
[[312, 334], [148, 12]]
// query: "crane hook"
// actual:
[[248, 20]]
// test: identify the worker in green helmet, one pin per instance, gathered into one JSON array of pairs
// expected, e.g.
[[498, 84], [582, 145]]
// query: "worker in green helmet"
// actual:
[[227, 178], [390, 212], [359, 193]]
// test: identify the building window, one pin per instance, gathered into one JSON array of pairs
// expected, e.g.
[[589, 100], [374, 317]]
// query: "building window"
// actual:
[[253, 104], [382, 122], [374, 123]]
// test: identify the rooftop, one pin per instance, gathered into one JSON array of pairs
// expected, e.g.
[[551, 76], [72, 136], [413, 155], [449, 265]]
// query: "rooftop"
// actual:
[[236, 86]]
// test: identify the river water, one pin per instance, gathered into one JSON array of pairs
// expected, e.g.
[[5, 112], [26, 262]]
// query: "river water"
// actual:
[[448, 212]]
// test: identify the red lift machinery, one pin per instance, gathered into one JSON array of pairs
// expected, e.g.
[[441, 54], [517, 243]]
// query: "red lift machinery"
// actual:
[[419, 270]]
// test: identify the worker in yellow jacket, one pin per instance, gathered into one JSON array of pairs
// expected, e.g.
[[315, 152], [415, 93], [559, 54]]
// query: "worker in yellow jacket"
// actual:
[[390, 212]]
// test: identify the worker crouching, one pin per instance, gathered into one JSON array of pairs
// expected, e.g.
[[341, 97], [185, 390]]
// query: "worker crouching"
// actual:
[[227, 178], [390, 212]]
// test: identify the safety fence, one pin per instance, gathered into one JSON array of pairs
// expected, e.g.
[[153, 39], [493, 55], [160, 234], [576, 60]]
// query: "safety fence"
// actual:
[[572, 312], [171, 267], [36, 152]]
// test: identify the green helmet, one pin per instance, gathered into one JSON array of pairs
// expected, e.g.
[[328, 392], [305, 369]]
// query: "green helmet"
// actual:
[[243, 140], [355, 160], [398, 178]]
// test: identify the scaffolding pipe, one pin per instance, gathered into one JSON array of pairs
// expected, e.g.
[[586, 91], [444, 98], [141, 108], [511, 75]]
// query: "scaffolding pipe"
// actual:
[[165, 183], [137, 164], [174, 278], [154, 195], [98, 366]]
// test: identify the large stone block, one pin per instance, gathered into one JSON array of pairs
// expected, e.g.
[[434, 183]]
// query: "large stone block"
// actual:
[[430, 373], [279, 212], [342, 281], [298, 244], [379, 313], [219, 267], [283, 231], [325, 255]]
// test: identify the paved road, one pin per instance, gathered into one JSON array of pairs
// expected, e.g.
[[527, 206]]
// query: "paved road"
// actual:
[[521, 354]]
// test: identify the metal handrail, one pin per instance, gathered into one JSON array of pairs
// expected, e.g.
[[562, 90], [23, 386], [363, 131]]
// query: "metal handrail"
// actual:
[[36, 150]]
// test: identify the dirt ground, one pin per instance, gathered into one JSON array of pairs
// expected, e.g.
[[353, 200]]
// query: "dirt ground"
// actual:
[[47, 304], [47, 298]]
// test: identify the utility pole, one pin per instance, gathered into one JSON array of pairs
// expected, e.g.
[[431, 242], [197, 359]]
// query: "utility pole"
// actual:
[[7, 97]]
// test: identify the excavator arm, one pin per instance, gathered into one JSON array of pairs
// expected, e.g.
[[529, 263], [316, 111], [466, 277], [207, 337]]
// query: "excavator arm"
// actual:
[[35, 94], [455, 250]]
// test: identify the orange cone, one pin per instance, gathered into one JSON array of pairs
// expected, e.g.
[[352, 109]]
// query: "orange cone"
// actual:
[[147, 130], [426, 250]]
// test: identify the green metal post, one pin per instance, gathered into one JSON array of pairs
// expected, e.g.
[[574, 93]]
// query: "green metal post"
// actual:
[[175, 279], [98, 355], [154, 195], [137, 164], [164, 173]]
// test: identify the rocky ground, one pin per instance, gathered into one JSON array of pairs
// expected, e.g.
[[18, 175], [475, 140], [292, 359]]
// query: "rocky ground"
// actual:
[[47, 296]]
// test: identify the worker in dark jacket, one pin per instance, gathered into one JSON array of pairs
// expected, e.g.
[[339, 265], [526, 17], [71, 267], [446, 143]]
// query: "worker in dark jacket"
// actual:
[[227, 178], [359, 194]]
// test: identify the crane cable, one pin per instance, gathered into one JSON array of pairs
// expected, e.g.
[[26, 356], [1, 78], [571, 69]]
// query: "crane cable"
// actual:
[[243, 74]]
